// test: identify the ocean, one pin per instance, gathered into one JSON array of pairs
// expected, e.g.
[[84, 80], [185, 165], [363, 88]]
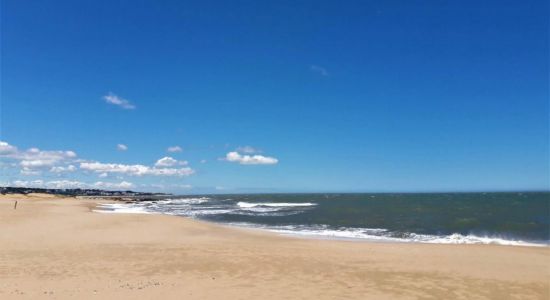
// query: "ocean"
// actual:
[[521, 219]]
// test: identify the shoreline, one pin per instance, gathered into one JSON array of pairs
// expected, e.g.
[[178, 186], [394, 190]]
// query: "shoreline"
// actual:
[[59, 245]]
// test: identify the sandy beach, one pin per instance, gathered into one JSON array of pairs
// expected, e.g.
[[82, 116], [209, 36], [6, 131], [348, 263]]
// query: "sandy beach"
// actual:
[[58, 248]]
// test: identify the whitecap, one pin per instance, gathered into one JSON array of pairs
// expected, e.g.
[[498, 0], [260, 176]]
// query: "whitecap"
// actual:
[[273, 204], [184, 200], [116, 208]]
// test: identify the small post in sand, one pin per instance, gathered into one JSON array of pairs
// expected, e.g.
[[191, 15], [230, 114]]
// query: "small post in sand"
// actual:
[[15, 205]]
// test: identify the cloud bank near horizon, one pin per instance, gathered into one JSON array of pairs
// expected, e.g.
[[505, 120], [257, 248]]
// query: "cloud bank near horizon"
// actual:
[[62, 169]]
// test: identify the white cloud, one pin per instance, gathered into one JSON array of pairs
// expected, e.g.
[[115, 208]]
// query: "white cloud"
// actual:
[[134, 170], [114, 168], [119, 101], [203, 161], [65, 184], [168, 161], [7, 149], [59, 169], [35, 158], [171, 172], [174, 149], [250, 159], [121, 147], [111, 185], [25, 183], [319, 70], [168, 186], [71, 184], [55, 184], [29, 172], [247, 150], [34, 161]]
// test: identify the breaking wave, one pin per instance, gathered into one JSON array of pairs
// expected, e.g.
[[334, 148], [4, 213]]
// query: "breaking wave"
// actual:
[[248, 204]]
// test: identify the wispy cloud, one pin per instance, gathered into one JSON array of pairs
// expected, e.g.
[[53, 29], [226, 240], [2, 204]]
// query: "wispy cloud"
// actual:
[[113, 185], [250, 159], [55, 184], [162, 186], [319, 70], [248, 150], [71, 184], [174, 149], [121, 147], [118, 101], [134, 170], [29, 172], [61, 169]]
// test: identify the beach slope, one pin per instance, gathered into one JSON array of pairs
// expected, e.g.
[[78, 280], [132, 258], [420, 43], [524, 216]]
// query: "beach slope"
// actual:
[[58, 248]]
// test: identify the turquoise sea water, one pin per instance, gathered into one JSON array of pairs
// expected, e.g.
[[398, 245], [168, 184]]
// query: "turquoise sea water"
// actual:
[[499, 218]]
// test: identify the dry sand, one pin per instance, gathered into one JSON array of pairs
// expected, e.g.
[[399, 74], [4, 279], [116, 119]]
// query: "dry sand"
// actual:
[[57, 248]]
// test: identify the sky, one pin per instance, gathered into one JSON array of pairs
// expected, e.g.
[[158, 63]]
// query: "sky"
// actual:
[[275, 96]]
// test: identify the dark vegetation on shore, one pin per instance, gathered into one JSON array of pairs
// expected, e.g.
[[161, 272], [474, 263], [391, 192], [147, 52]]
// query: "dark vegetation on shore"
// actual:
[[74, 192]]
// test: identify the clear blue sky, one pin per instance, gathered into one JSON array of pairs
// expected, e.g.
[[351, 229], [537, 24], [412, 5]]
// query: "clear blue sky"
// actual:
[[327, 95]]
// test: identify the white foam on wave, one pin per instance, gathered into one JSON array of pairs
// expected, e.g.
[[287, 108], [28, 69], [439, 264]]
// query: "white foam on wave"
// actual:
[[273, 204], [372, 234], [383, 235], [457, 238], [115, 208], [271, 209], [261, 209], [184, 200], [204, 212]]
